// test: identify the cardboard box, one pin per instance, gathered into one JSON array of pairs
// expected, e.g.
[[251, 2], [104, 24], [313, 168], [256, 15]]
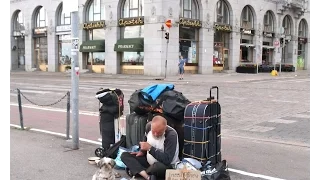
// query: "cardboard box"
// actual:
[[182, 174]]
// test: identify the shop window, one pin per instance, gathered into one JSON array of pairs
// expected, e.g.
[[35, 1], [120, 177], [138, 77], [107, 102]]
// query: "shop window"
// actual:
[[19, 22], [188, 43], [96, 58], [247, 21], [64, 50], [96, 11], [223, 14], [268, 22], [96, 34], [132, 58], [286, 24], [303, 28], [132, 31], [189, 9], [65, 18], [133, 8], [41, 18]]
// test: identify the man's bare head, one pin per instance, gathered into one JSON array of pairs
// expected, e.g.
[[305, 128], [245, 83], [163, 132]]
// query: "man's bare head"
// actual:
[[158, 126]]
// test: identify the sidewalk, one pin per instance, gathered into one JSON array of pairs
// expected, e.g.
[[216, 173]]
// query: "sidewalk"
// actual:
[[38, 156], [188, 77]]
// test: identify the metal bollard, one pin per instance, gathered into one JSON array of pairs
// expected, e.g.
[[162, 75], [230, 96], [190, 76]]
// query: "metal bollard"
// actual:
[[20, 108], [68, 115]]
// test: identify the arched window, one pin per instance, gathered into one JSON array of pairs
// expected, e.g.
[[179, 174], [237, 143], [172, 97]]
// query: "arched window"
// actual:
[[223, 13], [303, 28], [132, 8], [64, 19], [268, 22], [41, 18], [95, 11], [19, 22], [189, 9], [247, 20], [286, 24]]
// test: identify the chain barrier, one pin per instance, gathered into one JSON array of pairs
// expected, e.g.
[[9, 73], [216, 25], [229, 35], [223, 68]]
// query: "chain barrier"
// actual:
[[44, 104]]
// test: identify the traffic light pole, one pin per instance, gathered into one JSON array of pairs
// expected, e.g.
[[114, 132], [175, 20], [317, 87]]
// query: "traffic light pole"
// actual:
[[166, 63]]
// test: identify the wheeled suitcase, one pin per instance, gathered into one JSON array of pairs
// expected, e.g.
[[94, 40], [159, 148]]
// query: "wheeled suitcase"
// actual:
[[135, 129], [202, 139]]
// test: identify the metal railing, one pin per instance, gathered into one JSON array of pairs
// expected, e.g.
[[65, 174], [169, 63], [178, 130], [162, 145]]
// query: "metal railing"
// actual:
[[20, 94]]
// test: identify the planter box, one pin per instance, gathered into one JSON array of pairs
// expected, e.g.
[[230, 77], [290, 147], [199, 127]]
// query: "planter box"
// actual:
[[246, 69]]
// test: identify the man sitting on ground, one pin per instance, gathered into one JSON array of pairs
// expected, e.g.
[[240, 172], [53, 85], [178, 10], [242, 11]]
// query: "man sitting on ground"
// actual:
[[159, 153]]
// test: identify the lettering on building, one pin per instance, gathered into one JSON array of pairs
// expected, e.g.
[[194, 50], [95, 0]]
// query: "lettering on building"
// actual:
[[190, 23], [63, 28], [268, 34], [89, 47], [125, 46], [131, 21], [247, 31], [226, 28], [93, 25], [40, 30]]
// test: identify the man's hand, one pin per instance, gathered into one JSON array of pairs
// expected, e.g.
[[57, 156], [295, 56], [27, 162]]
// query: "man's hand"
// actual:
[[145, 146], [138, 153]]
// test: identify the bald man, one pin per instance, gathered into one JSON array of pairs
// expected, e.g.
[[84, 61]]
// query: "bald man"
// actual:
[[159, 153]]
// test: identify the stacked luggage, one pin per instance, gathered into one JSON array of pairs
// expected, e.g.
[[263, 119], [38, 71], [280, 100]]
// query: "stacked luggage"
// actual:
[[159, 99]]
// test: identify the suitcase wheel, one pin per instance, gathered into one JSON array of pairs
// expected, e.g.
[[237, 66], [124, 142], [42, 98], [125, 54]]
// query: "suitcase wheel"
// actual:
[[99, 152]]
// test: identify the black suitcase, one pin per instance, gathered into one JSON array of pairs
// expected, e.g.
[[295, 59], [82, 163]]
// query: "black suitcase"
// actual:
[[135, 129], [202, 128]]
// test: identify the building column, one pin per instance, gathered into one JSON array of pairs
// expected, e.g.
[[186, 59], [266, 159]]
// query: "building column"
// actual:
[[53, 65], [14, 54], [29, 47], [112, 34]]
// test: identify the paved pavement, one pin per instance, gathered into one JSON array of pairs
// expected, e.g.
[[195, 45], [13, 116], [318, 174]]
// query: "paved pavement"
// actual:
[[265, 119]]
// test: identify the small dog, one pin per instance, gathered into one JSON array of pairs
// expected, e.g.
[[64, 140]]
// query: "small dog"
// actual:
[[106, 170]]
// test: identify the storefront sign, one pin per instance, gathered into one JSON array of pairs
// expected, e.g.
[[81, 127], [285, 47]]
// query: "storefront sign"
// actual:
[[125, 46], [247, 31], [131, 21], [93, 25], [302, 40], [40, 31], [63, 28], [89, 47], [268, 34], [226, 28], [190, 23]]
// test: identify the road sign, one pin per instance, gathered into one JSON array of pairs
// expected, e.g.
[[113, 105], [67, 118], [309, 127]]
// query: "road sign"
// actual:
[[276, 43], [168, 23]]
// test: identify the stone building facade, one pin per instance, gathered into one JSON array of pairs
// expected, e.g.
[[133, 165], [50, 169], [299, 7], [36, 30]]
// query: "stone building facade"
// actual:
[[127, 36]]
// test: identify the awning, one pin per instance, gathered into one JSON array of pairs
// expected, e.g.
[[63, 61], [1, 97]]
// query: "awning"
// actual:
[[93, 46], [129, 45], [247, 45]]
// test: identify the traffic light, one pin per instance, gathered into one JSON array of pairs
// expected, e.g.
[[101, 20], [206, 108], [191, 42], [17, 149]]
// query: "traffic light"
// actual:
[[167, 35], [281, 40]]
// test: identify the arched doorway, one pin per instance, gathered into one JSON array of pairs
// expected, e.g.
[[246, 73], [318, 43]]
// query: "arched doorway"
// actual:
[[93, 47], [268, 38], [302, 44], [18, 46], [285, 40], [63, 31], [40, 24], [189, 25], [247, 33], [222, 33]]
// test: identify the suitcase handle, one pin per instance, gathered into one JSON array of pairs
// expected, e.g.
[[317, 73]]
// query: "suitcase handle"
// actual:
[[214, 87]]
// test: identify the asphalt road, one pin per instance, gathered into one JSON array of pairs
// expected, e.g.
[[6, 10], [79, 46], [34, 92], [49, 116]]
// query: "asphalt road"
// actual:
[[265, 120]]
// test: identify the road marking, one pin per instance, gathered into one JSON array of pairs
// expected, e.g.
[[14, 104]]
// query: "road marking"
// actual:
[[281, 121], [36, 92], [302, 115], [99, 143], [258, 129], [283, 101]]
